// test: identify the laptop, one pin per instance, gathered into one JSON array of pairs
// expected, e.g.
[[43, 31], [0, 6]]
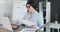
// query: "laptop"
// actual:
[[5, 23]]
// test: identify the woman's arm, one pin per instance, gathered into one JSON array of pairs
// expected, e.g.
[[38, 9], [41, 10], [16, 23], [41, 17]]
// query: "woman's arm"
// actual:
[[40, 21]]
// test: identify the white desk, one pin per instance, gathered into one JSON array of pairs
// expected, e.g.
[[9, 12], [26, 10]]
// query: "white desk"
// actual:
[[55, 26]]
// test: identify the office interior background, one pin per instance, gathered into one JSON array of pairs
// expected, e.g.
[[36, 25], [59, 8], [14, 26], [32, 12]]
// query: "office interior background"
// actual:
[[50, 10]]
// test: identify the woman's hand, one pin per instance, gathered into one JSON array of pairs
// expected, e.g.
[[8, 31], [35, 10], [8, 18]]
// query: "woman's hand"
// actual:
[[32, 26], [14, 25]]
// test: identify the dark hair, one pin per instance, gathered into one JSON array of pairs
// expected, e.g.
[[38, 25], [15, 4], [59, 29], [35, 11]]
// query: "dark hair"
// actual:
[[32, 3]]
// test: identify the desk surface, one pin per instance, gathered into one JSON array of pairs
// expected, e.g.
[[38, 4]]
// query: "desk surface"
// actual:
[[5, 30], [54, 25]]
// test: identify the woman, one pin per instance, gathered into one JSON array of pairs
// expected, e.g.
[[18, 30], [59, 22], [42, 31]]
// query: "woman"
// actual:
[[32, 15]]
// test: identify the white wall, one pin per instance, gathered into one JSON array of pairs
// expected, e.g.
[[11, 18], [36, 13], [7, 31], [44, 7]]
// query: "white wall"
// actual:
[[19, 9], [6, 8], [2, 7], [9, 6]]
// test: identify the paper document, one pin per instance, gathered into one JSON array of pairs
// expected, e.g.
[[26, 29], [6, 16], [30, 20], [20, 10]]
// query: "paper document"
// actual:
[[26, 22], [5, 23], [28, 30]]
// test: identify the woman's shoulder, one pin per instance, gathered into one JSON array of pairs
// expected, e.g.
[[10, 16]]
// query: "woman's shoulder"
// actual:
[[37, 13]]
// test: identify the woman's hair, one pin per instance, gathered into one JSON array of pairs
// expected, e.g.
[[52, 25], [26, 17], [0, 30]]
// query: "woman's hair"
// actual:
[[32, 3]]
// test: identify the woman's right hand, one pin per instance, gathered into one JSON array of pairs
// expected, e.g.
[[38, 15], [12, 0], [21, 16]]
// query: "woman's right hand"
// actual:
[[14, 25], [32, 26]]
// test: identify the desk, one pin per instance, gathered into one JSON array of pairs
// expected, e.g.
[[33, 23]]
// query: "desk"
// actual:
[[5, 30], [55, 26]]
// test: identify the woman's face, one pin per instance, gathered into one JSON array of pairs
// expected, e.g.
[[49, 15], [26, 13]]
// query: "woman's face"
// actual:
[[29, 8]]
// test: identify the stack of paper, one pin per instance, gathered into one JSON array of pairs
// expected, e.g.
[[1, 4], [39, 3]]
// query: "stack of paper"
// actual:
[[5, 23], [26, 22], [28, 30]]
